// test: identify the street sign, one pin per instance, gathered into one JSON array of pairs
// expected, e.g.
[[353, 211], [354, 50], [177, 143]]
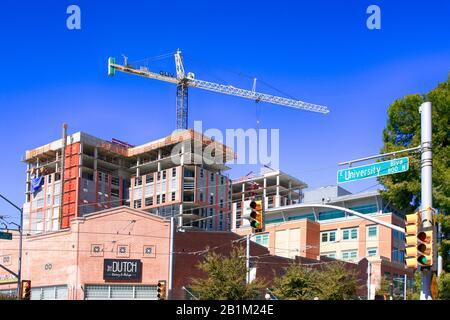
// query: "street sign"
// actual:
[[373, 170], [5, 235]]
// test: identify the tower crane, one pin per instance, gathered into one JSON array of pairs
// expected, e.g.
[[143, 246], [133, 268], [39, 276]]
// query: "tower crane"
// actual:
[[183, 81]]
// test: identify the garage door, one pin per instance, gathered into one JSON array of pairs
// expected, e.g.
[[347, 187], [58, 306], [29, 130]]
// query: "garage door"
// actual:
[[120, 292], [49, 293]]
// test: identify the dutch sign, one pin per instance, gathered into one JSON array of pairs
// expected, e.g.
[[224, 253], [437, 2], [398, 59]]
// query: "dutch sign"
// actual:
[[373, 170], [122, 269]]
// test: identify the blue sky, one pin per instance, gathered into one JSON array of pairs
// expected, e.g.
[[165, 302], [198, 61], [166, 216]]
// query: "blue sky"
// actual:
[[317, 51]]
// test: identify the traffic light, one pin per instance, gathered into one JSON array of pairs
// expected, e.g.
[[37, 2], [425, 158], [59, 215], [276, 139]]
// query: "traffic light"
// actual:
[[161, 290], [25, 289], [425, 248], [256, 215], [412, 225]]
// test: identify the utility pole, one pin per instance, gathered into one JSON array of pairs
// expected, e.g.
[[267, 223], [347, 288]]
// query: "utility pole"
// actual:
[[439, 240], [405, 278], [247, 262], [369, 278], [172, 229], [20, 227], [427, 194]]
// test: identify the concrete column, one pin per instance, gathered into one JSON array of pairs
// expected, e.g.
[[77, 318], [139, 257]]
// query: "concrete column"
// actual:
[[138, 169], [277, 195], [159, 160], [290, 193], [180, 217], [96, 165]]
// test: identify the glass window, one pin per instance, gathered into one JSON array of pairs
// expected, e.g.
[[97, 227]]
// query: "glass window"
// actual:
[[324, 237], [174, 172], [345, 234], [329, 254], [372, 231], [332, 236], [349, 255], [149, 201], [371, 252], [137, 203], [149, 178], [173, 196], [354, 233], [395, 254]]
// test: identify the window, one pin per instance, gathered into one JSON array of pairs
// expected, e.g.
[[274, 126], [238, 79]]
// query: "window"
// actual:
[[212, 176], [137, 181], [163, 198], [158, 177], [372, 252], [372, 231], [49, 178], [201, 196], [349, 255], [174, 172], [221, 203], [149, 201], [221, 180], [262, 239], [173, 196], [164, 175], [329, 254], [348, 234], [137, 203], [211, 199], [328, 236], [201, 173], [401, 256], [149, 178], [395, 254]]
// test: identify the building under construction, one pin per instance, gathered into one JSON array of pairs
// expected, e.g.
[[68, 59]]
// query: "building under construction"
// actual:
[[180, 175]]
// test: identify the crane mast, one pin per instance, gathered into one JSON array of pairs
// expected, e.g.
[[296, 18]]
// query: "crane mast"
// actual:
[[184, 81]]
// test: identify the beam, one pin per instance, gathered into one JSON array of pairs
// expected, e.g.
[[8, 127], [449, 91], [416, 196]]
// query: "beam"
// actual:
[[328, 206]]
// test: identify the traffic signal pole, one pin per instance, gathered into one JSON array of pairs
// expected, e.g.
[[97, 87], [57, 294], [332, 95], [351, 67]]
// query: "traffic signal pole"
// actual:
[[427, 197]]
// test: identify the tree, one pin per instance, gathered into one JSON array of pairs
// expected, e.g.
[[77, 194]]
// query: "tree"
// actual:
[[384, 289], [226, 278], [444, 286], [332, 282], [337, 282], [297, 283], [403, 131], [403, 191]]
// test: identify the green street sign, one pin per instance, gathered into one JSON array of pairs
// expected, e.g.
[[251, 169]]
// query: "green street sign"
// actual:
[[5, 235], [373, 170]]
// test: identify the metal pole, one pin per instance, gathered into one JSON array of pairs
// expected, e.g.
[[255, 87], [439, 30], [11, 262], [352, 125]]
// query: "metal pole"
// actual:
[[405, 279], [20, 227], [19, 273], [369, 278], [172, 227], [439, 240], [63, 168], [247, 263], [427, 197]]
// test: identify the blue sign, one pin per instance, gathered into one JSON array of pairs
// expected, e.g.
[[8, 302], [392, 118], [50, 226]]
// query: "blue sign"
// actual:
[[373, 170]]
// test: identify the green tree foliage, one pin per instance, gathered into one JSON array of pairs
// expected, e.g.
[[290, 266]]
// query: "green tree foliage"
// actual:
[[414, 292], [332, 282], [226, 278], [384, 288], [403, 131], [298, 283], [444, 286]]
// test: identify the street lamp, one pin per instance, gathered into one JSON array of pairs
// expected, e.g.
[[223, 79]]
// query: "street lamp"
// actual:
[[19, 272]]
